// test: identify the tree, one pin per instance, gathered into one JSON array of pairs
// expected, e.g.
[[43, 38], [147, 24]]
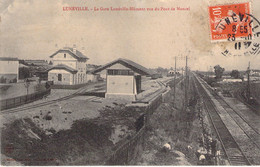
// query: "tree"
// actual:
[[219, 71], [24, 73], [235, 74], [161, 70]]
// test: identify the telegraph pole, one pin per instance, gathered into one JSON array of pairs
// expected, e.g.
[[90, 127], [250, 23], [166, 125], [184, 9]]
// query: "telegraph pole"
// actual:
[[186, 83], [174, 82], [207, 73], [248, 81]]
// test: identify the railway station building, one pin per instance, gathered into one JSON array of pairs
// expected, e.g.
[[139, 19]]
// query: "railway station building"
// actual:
[[123, 78], [69, 67]]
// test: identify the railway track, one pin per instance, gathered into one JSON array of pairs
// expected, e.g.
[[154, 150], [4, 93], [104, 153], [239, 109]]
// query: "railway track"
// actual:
[[162, 85], [239, 95], [231, 148], [77, 92], [252, 132]]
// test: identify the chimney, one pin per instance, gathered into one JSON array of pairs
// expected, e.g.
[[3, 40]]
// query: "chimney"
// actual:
[[74, 48], [83, 50]]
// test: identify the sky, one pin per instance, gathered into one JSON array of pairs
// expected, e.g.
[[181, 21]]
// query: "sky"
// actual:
[[35, 29]]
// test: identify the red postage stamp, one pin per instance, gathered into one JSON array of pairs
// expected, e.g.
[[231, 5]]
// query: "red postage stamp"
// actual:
[[230, 22]]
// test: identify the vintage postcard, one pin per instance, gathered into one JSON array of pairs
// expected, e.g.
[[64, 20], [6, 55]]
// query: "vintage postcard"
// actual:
[[129, 82]]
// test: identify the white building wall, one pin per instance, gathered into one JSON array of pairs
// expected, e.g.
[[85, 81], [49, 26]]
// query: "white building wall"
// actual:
[[119, 67], [121, 87], [59, 71], [120, 84], [60, 56], [67, 77], [82, 76], [69, 60], [9, 67]]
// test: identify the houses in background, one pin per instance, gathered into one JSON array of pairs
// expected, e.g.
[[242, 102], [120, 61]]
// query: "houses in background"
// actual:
[[90, 76], [9, 69], [255, 73], [33, 68], [123, 78], [69, 67], [172, 73]]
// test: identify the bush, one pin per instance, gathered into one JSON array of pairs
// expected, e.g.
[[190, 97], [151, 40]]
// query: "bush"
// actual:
[[13, 80], [2, 79], [211, 81], [85, 139]]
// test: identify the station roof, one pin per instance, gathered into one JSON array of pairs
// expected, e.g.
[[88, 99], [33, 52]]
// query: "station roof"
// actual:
[[35, 62], [23, 66], [8, 59], [78, 55], [127, 63], [63, 67]]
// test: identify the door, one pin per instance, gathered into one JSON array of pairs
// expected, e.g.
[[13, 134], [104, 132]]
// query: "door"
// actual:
[[138, 83], [59, 77]]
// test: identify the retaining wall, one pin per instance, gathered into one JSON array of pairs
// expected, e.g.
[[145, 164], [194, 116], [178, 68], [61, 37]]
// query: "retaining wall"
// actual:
[[131, 149]]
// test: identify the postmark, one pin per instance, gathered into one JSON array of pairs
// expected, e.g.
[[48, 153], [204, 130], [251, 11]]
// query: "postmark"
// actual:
[[230, 22], [248, 45], [234, 23]]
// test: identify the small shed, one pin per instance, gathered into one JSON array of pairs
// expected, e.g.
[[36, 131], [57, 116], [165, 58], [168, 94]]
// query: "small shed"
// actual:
[[9, 69], [123, 78]]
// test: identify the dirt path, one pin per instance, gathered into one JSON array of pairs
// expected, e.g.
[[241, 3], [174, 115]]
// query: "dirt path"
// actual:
[[172, 124]]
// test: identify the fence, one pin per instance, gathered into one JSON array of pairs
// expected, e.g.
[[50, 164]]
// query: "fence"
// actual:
[[166, 95], [133, 147], [68, 86], [77, 86], [20, 100]]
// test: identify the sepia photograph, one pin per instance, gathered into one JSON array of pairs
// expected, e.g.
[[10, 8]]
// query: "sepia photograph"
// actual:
[[129, 82]]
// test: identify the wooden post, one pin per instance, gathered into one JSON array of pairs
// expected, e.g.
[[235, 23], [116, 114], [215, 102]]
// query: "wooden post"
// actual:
[[174, 83], [248, 82], [186, 83]]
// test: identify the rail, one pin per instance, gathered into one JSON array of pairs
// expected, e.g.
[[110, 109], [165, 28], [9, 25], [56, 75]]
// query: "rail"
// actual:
[[77, 92], [227, 141]]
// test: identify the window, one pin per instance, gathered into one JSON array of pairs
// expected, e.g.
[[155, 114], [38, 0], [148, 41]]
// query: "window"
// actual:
[[120, 72], [59, 77], [64, 55]]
